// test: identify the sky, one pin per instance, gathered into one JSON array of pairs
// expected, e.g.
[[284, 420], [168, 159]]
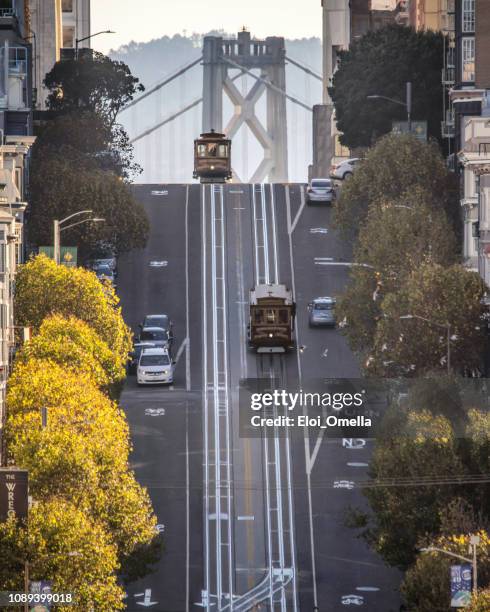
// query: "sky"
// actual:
[[144, 20]]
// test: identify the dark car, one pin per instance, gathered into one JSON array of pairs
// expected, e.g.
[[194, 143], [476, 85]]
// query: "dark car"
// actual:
[[135, 354], [159, 320], [321, 312], [158, 336]]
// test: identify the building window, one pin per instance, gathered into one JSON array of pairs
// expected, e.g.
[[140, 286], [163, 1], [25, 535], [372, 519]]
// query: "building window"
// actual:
[[7, 8], [468, 15], [67, 6], [68, 37], [468, 59]]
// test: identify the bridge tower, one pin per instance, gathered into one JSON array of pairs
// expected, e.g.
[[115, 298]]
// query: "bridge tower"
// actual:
[[246, 54]]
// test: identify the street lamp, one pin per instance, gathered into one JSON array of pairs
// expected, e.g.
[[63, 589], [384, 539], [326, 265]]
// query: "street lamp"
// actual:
[[79, 40], [474, 541], [445, 326], [57, 229], [407, 104]]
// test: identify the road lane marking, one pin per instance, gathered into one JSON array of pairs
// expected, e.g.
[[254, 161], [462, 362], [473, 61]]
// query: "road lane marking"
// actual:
[[246, 518], [154, 412], [325, 353], [357, 464], [188, 347], [368, 589], [318, 230], [181, 350], [298, 214], [353, 443]]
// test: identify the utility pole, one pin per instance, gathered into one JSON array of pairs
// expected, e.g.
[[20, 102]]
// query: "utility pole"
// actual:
[[409, 106], [56, 241]]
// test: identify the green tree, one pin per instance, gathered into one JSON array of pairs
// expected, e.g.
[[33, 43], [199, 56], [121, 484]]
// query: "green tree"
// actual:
[[60, 188], [86, 140], [82, 454], [480, 602], [73, 344], [44, 288], [66, 546], [413, 347], [391, 171], [397, 237], [93, 83], [381, 62], [426, 586], [415, 447]]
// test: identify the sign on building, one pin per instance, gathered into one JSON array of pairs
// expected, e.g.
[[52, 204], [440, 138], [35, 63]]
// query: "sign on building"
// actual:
[[460, 585], [68, 255], [419, 128], [13, 493]]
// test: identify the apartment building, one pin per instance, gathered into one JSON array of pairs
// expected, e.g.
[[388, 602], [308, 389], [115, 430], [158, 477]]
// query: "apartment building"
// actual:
[[15, 142], [54, 26], [429, 14], [470, 109]]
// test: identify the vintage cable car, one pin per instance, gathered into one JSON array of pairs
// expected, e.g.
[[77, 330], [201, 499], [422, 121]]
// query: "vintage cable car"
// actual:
[[271, 324], [212, 158]]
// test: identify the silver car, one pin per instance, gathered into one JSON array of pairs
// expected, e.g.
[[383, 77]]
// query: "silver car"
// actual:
[[321, 312], [320, 190]]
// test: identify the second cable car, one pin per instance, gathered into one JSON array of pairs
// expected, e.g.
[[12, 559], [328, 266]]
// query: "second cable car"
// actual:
[[212, 158]]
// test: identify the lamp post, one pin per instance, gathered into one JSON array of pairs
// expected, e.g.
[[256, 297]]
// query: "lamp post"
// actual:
[[57, 229], [79, 40], [407, 104], [446, 326], [474, 541]]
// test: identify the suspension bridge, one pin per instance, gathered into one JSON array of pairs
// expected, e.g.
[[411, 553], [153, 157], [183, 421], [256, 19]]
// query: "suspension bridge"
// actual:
[[245, 95]]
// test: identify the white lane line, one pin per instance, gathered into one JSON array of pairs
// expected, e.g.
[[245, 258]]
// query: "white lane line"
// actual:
[[188, 347], [357, 464], [265, 233], [274, 233], [368, 589], [318, 230], [181, 350], [257, 279], [245, 518], [187, 508], [298, 214], [205, 394]]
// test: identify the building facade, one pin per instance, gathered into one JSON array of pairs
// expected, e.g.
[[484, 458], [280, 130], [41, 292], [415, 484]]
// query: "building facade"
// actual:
[[430, 14], [469, 99], [54, 26], [16, 86]]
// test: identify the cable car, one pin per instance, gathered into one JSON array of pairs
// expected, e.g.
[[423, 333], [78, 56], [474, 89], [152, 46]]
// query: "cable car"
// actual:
[[212, 158], [271, 324]]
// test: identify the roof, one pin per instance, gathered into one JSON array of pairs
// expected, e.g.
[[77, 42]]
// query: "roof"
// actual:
[[325, 300], [271, 290], [152, 328], [154, 351]]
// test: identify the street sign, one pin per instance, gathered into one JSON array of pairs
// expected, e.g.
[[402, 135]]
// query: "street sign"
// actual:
[[68, 255], [419, 128], [13, 493], [460, 585]]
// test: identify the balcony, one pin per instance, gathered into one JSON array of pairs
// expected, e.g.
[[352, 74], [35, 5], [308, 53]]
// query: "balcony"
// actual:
[[7, 9]]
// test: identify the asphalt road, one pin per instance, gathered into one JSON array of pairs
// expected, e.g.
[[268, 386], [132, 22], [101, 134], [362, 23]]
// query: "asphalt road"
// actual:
[[239, 513]]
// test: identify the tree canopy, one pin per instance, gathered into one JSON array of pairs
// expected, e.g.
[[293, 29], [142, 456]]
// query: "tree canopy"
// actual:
[[395, 168], [125, 224], [93, 83], [380, 63], [44, 288]]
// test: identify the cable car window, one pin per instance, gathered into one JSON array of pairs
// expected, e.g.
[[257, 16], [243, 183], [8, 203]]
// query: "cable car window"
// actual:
[[212, 148], [222, 150], [258, 316], [283, 315], [271, 315], [201, 150]]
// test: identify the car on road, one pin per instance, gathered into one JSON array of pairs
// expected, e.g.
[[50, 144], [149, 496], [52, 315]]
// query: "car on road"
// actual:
[[320, 190], [159, 320], [155, 367], [105, 273], [345, 169], [156, 335], [321, 312], [135, 354], [106, 261]]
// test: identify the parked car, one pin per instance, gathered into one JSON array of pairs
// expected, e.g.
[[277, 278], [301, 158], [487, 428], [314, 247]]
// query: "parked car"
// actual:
[[110, 262], [159, 320], [135, 354], [104, 273], [345, 169], [156, 335], [320, 190], [155, 367], [321, 312]]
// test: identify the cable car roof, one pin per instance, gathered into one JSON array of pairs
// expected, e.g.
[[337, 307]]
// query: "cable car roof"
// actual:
[[271, 291], [212, 136]]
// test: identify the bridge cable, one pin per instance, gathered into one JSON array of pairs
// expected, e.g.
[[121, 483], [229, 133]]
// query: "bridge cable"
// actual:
[[269, 84], [162, 84], [304, 68]]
